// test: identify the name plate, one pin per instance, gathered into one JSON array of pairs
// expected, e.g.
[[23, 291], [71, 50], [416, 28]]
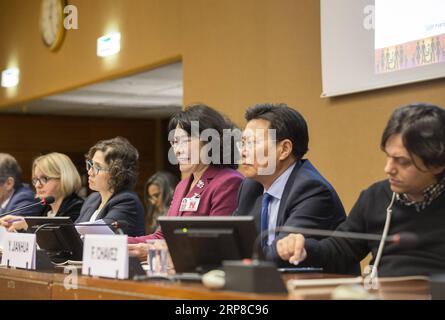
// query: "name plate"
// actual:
[[19, 250], [105, 256]]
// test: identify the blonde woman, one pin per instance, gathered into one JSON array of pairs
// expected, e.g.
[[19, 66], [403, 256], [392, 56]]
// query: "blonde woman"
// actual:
[[55, 175]]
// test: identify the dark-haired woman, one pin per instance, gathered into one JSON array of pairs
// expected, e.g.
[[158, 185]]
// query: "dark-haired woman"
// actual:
[[158, 194], [112, 167], [212, 185]]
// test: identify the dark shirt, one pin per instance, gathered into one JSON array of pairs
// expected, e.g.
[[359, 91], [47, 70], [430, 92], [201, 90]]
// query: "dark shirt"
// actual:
[[70, 207], [368, 215]]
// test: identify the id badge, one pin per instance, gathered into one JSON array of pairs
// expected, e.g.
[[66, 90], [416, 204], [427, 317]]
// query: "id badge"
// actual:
[[190, 204]]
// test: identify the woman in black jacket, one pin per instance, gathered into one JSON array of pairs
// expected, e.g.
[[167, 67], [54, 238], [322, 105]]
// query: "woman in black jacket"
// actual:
[[112, 167]]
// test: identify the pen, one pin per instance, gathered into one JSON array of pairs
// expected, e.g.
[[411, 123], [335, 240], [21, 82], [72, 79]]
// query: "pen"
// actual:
[[14, 220]]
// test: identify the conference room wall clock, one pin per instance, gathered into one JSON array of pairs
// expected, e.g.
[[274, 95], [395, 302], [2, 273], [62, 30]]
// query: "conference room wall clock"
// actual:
[[52, 30]]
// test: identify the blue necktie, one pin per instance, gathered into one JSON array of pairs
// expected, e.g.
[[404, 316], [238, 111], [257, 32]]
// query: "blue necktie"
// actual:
[[265, 218]]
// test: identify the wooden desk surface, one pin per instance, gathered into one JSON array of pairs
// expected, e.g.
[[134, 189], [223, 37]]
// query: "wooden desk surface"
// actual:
[[21, 284], [98, 288], [25, 285]]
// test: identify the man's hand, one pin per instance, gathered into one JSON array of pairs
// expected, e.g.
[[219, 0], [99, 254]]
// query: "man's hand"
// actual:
[[291, 248]]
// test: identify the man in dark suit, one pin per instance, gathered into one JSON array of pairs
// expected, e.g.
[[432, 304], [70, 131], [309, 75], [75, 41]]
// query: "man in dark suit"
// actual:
[[282, 188], [13, 193]]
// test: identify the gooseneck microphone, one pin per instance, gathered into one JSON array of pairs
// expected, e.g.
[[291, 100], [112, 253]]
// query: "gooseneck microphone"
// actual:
[[42, 202], [403, 239], [260, 276], [119, 226], [384, 235]]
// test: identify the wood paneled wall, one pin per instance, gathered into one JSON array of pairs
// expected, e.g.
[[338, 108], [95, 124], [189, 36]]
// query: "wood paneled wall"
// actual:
[[27, 136]]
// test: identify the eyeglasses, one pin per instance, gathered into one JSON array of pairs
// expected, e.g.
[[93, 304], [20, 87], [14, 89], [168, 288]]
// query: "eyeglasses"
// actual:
[[250, 143], [96, 168], [42, 180], [179, 142], [246, 144]]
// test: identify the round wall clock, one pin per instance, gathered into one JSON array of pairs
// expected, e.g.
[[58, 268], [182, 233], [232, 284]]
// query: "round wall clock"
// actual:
[[51, 23]]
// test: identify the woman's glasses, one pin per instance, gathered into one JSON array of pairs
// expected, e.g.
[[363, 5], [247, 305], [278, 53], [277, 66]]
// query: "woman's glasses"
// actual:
[[96, 168], [42, 180], [179, 142]]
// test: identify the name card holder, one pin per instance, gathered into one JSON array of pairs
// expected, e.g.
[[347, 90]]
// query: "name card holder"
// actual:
[[19, 250], [105, 256]]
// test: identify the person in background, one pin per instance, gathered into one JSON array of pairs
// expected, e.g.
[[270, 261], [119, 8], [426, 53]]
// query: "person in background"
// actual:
[[411, 200], [158, 194], [54, 175], [211, 187], [112, 167], [13, 193]]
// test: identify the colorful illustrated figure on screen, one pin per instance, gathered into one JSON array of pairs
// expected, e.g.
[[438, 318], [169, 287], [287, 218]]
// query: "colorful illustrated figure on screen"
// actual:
[[391, 59], [427, 51]]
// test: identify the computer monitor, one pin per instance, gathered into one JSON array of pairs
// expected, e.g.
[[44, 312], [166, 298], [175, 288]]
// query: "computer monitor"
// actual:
[[198, 244], [35, 222], [57, 236]]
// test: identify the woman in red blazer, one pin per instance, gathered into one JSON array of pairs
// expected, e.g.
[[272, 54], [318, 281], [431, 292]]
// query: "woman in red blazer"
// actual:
[[212, 185]]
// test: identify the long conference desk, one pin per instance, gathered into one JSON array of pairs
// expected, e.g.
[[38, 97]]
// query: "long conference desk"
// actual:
[[33, 285]]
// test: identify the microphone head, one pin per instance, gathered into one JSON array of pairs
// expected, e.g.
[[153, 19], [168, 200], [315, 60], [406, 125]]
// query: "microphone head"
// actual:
[[48, 200], [406, 240], [119, 225]]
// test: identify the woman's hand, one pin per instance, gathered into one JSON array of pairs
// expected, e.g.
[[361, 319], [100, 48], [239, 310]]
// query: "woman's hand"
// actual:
[[13, 223], [139, 250]]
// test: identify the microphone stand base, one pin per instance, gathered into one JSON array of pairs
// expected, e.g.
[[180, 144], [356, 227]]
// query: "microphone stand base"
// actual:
[[253, 276], [438, 286], [43, 262]]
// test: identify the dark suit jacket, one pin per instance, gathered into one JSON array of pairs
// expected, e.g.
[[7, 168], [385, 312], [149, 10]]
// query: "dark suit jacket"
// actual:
[[70, 207], [308, 201], [123, 207], [21, 197]]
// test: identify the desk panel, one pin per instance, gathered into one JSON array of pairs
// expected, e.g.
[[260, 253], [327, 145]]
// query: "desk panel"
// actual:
[[25, 285], [22, 284]]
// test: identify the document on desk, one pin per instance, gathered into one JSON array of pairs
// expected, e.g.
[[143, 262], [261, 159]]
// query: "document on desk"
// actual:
[[69, 263], [296, 283], [96, 227]]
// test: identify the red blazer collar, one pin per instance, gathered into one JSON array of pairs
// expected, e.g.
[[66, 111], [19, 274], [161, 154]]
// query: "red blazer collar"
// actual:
[[206, 178]]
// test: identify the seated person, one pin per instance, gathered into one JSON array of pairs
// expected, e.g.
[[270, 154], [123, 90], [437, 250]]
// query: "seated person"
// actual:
[[158, 194], [214, 182], [281, 188], [55, 175], [412, 199], [112, 167], [13, 193]]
